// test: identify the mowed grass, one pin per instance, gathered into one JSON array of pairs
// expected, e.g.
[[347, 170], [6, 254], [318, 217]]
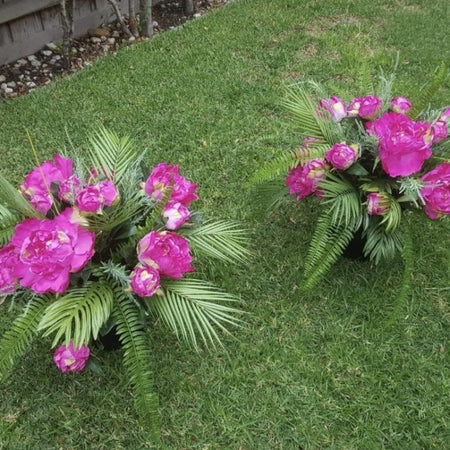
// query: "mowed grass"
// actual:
[[347, 366]]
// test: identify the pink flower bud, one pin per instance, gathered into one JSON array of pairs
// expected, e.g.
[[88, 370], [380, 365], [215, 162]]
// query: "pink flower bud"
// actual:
[[445, 116], [335, 106], [342, 156], [176, 215], [304, 180], [70, 359], [377, 203], [144, 281], [9, 257], [365, 107], [436, 191], [439, 131], [400, 104]]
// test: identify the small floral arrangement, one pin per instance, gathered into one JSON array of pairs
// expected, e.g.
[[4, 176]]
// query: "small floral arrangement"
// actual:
[[90, 251], [367, 160]]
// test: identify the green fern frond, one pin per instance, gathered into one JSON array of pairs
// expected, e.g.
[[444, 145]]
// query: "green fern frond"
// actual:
[[422, 101], [137, 358], [381, 244], [193, 308], [269, 195], [8, 222], [112, 155], [20, 335], [343, 201], [393, 216], [12, 198], [223, 240], [79, 314], [327, 244]]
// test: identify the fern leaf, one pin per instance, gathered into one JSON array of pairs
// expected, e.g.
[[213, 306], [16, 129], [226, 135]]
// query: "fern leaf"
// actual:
[[327, 244], [20, 335], [193, 308], [137, 358], [79, 314], [269, 195], [223, 240]]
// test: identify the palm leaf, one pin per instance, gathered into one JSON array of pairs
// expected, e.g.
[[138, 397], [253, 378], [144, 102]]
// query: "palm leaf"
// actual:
[[11, 197], [381, 244], [327, 244], [8, 222], [193, 308], [79, 314], [303, 110], [20, 335], [223, 240], [393, 216], [137, 357], [113, 155], [269, 195], [343, 201]]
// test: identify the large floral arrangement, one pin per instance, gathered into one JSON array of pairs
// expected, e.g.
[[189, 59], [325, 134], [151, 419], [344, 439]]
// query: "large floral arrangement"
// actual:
[[91, 247], [367, 160]]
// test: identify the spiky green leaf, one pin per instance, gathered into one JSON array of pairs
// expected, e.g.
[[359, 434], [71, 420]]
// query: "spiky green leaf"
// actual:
[[14, 200]]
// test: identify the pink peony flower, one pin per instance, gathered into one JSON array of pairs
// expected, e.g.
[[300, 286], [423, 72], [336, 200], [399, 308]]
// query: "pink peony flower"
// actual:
[[49, 250], [400, 104], [436, 191], [92, 198], [304, 180], [165, 251], [364, 107], [404, 145], [145, 281], [439, 131], [377, 203], [176, 214], [38, 182], [162, 177], [342, 156], [70, 359], [8, 260], [335, 106]]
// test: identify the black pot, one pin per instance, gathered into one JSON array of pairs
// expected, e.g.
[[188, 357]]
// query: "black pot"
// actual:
[[355, 248], [109, 341]]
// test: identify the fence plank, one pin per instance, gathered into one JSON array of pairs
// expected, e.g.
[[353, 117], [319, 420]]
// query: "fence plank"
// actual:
[[19, 8]]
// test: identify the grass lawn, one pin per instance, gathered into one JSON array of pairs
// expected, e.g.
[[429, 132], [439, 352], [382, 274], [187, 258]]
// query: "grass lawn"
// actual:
[[344, 367]]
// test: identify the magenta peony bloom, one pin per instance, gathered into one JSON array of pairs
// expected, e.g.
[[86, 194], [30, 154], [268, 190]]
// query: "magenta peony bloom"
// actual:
[[404, 145], [176, 214], [445, 116], [364, 107], [144, 281], [167, 252], [304, 180], [439, 131], [342, 156], [163, 176], [92, 198], [70, 359], [436, 191], [8, 260], [335, 106], [49, 250], [38, 182], [400, 104], [377, 203]]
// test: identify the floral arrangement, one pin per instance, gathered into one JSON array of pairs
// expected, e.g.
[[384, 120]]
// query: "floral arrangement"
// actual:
[[367, 160], [92, 250]]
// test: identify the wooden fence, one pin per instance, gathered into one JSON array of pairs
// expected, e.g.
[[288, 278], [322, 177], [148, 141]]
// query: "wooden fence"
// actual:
[[27, 25]]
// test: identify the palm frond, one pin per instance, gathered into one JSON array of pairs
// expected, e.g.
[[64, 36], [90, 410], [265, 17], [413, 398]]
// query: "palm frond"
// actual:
[[193, 308], [269, 195], [20, 335], [327, 244], [303, 110], [78, 315], [8, 222], [113, 155], [224, 240], [393, 216], [12, 198], [137, 357], [381, 244], [343, 201]]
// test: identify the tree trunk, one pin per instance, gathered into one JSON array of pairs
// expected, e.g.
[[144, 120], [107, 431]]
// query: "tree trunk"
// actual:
[[67, 7], [132, 19], [189, 7], [125, 29], [146, 17]]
